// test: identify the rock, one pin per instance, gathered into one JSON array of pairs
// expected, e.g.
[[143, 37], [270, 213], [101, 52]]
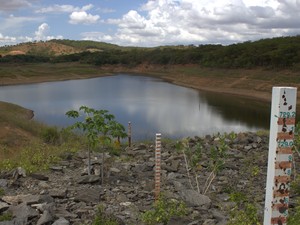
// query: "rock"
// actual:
[[209, 222], [61, 212], [39, 176], [61, 221], [88, 179], [45, 218], [58, 193], [129, 185], [57, 168], [28, 199], [221, 219], [19, 172], [3, 206], [196, 222], [3, 183], [193, 198], [88, 196], [114, 170], [23, 212]]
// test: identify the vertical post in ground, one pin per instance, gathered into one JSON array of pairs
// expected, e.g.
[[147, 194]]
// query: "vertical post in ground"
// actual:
[[282, 126], [129, 134], [157, 164]]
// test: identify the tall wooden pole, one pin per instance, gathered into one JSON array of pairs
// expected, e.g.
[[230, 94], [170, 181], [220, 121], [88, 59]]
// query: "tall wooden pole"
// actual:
[[281, 142], [157, 164]]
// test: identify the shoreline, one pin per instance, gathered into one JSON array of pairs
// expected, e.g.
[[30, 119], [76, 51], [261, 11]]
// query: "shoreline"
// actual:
[[236, 86]]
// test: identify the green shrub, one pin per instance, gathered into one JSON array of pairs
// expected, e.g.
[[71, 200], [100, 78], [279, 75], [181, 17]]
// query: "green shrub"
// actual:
[[50, 135], [104, 219], [245, 216], [6, 217], [294, 215], [164, 210]]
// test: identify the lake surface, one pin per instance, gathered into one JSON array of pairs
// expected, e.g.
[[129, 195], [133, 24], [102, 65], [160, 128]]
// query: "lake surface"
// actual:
[[152, 105]]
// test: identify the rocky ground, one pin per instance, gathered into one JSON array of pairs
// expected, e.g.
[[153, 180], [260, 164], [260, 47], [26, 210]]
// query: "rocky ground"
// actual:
[[67, 195]]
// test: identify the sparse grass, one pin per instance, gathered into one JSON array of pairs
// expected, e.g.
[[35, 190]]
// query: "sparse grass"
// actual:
[[262, 132], [29, 144]]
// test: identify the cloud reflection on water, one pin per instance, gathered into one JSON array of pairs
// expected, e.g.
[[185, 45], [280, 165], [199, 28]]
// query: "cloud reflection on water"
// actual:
[[152, 105]]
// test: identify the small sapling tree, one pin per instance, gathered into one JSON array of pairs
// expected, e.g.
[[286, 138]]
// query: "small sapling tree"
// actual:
[[192, 157], [99, 126]]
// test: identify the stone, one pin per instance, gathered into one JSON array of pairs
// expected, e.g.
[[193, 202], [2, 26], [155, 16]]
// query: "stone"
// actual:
[[57, 168], [3, 183], [58, 193], [88, 179], [128, 185], [19, 172], [45, 218], [61, 221], [114, 170], [88, 196], [209, 222], [3, 206], [193, 198], [39, 176], [23, 212]]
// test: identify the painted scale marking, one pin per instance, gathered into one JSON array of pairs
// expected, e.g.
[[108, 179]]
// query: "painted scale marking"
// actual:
[[283, 164], [280, 155]]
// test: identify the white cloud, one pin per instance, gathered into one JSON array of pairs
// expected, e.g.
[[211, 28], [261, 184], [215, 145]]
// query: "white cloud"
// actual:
[[7, 39], [11, 5], [97, 36], [83, 18], [42, 33], [206, 21], [63, 9], [57, 9]]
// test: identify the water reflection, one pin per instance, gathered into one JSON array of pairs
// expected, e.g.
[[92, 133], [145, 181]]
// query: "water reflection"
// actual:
[[150, 104], [252, 113]]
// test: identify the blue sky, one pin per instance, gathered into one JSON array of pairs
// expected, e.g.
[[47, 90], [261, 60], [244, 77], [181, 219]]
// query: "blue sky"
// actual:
[[148, 22]]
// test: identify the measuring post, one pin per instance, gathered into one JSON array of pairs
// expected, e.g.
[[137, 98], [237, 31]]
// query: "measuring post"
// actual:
[[129, 134], [281, 142], [157, 164]]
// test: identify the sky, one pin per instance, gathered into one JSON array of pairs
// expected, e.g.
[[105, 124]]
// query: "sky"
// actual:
[[148, 23]]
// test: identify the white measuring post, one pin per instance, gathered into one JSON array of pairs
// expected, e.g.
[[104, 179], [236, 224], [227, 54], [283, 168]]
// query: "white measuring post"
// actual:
[[282, 126], [157, 165]]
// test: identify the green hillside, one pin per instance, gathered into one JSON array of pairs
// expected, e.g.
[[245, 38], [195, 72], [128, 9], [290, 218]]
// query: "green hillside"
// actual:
[[274, 53]]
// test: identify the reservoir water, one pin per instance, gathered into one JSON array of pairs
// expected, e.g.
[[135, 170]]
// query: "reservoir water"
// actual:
[[151, 104]]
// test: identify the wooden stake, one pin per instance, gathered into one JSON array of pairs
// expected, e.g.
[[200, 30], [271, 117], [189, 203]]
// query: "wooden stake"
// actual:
[[129, 134], [157, 165]]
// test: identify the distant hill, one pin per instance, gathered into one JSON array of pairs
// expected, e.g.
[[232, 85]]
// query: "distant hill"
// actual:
[[280, 52], [56, 48]]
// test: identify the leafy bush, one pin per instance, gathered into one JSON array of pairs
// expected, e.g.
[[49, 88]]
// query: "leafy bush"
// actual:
[[50, 135], [6, 217], [104, 219], [164, 210], [245, 216]]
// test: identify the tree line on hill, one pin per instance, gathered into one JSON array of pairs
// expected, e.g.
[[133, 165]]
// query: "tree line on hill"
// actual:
[[282, 52]]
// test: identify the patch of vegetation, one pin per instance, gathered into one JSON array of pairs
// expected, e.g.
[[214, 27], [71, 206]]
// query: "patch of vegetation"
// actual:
[[6, 217], [273, 53], [99, 127], [103, 218], [193, 156], [163, 210]]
